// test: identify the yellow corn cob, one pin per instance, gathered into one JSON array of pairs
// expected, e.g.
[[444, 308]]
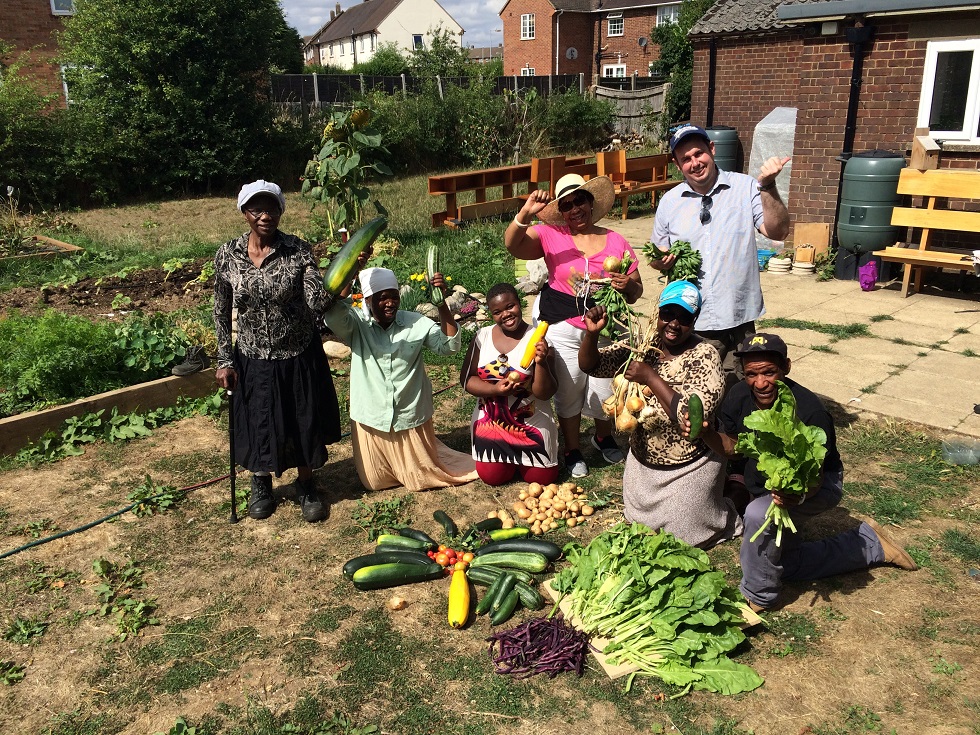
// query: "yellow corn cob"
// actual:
[[539, 332]]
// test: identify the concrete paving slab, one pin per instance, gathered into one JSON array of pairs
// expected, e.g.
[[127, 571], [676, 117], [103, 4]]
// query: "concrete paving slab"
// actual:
[[920, 413], [954, 396], [876, 350], [970, 426], [968, 341], [863, 305], [803, 338], [829, 389], [943, 365], [849, 372], [918, 334]]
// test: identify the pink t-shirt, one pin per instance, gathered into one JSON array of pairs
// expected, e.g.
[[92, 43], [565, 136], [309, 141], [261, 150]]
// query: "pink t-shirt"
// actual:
[[567, 266]]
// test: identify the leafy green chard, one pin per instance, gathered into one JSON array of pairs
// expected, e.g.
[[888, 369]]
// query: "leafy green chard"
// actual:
[[619, 314], [788, 453], [662, 607]]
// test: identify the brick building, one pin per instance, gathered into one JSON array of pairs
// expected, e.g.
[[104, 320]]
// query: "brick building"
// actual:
[[919, 68], [31, 25], [592, 37]]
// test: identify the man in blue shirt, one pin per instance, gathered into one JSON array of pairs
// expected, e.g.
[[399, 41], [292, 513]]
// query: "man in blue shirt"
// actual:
[[718, 213]]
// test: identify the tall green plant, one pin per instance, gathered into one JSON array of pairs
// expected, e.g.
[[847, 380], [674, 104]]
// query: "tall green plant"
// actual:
[[350, 152], [676, 61]]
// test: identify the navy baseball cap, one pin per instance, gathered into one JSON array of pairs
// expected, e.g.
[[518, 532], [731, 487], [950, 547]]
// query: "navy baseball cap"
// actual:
[[761, 343], [683, 132]]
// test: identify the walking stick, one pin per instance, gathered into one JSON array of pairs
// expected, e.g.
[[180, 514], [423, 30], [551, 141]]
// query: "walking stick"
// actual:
[[231, 444]]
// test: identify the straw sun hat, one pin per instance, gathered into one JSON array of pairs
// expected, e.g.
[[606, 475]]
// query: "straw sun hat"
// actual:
[[600, 187]]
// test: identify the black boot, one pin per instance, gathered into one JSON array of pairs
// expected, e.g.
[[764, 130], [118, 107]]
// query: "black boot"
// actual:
[[314, 507], [261, 504]]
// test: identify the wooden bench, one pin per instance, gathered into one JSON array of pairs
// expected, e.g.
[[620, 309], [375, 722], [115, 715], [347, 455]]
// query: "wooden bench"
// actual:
[[933, 185], [514, 182], [638, 175]]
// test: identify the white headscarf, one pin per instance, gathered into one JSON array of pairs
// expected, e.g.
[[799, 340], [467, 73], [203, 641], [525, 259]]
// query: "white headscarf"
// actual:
[[374, 280]]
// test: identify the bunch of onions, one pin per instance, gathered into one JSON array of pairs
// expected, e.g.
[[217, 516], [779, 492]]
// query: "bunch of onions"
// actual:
[[627, 401]]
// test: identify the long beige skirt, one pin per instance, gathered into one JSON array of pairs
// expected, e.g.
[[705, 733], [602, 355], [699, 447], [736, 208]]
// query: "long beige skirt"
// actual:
[[414, 458]]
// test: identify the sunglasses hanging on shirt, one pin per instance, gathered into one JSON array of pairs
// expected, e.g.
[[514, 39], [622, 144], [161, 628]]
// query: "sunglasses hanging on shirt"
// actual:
[[705, 209]]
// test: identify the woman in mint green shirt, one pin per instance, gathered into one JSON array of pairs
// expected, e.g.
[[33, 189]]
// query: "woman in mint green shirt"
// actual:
[[390, 394]]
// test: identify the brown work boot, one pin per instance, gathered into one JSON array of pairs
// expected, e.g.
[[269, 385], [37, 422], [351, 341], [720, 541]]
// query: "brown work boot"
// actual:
[[894, 554], [756, 608]]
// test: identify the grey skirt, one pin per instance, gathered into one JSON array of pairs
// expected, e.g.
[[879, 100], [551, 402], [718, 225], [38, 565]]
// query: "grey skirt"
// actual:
[[688, 501]]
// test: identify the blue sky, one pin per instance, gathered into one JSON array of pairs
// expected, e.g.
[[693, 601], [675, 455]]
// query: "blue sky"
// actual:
[[478, 17]]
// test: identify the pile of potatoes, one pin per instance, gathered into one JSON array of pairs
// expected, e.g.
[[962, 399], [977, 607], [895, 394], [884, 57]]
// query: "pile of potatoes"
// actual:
[[542, 506]]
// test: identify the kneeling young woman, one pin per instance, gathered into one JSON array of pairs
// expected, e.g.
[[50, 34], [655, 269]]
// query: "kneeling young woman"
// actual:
[[513, 429]]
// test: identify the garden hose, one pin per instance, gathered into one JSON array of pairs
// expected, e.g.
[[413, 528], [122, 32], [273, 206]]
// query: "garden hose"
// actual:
[[128, 508]]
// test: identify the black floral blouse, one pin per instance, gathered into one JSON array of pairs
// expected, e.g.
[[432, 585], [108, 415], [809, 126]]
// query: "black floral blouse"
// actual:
[[278, 304], [656, 441]]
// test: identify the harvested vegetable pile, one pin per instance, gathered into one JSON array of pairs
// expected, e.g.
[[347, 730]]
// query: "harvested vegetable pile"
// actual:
[[687, 267], [790, 454], [539, 646], [662, 607]]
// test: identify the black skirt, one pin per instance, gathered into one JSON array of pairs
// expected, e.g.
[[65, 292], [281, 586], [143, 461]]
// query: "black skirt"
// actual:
[[286, 411]]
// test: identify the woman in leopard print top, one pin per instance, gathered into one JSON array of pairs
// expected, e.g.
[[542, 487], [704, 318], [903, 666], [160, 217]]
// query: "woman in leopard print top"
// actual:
[[670, 482]]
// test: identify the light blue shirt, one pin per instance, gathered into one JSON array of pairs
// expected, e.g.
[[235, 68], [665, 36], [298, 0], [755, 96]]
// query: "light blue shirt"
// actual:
[[389, 388], [730, 283]]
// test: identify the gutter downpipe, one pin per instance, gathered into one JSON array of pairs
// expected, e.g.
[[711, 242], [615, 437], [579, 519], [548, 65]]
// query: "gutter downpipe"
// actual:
[[709, 115], [557, 38], [858, 36]]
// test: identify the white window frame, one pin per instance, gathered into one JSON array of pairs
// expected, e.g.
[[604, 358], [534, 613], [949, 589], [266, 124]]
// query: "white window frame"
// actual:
[[668, 13], [527, 27], [64, 84], [527, 71], [971, 115], [418, 40], [360, 43], [341, 44], [331, 50], [619, 25], [374, 40], [58, 7], [615, 71]]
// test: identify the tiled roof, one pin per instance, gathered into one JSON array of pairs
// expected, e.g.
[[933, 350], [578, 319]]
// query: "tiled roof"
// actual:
[[730, 16], [574, 6], [362, 17]]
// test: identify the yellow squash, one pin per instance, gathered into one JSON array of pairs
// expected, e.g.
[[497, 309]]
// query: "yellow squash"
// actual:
[[459, 599], [536, 336]]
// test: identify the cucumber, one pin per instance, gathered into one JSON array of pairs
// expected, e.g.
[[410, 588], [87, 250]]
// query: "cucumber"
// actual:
[[695, 414], [447, 523], [486, 575], [436, 296], [528, 561], [341, 268], [390, 539], [489, 524], [550, 550], [530, 597], [502, 534], [408, 554], [486, 602], [418, 536], [503, 613], [507, 582], [380, 576], [370, 560]]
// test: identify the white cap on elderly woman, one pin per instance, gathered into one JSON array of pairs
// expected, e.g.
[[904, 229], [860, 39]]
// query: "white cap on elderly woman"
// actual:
[[374, 280], [682, 293], [250, 191]]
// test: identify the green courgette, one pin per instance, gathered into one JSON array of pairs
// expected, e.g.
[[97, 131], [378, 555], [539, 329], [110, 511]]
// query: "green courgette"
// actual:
[[486, 602], [370, 560], [530, 597], [379, 576], [540, 546], [409, 554], [390, 539], [486, 575], [484, 526], [695, 414], [503, 613], [502, 534], [447, 523], [418, 536], [341, 269], [507, 583], [528, 561], [436, 296]]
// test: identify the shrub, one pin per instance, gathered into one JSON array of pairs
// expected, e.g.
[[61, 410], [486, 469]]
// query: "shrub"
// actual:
[[577, 123]]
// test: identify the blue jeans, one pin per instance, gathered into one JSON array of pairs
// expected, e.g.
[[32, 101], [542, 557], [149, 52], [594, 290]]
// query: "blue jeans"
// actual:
[[766, 566]]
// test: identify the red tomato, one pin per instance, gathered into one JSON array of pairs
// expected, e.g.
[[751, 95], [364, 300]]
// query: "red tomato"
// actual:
[[443, 547], [442, 559], [468, 557]]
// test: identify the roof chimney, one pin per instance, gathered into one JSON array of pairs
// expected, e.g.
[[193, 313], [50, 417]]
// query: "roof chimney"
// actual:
[[332, 16], [338, 8]]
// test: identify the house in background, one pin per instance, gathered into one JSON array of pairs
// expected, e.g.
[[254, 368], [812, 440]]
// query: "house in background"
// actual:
[[485, 54], [609, 38], [910, 65], [31, 25], [352, 36]]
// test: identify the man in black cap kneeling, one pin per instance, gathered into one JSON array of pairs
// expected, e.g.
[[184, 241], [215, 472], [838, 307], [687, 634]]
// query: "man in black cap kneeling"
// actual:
[[765, 566]]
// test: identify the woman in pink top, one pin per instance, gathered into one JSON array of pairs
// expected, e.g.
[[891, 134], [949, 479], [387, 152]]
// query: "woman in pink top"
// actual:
[[574, 248]]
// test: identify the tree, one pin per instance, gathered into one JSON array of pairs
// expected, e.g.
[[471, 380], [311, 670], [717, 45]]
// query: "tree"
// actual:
[[441, 56], [676, 61], [176, 95], [387, 61]]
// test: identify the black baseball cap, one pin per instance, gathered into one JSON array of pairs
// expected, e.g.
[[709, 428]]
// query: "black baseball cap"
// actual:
[[761, 343]]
